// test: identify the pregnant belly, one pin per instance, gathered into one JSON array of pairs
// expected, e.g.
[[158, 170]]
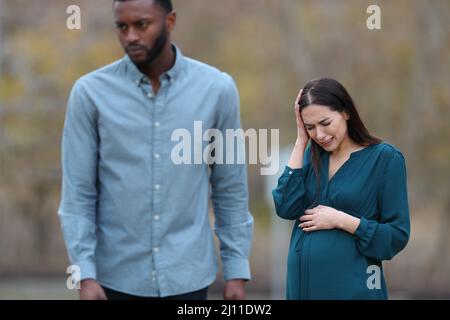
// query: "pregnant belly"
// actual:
[[332, 247], [336, 268]]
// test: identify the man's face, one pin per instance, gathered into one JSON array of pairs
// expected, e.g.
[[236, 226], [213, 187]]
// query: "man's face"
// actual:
[[143, 27]]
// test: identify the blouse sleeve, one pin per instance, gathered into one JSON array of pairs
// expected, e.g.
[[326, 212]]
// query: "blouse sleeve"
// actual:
[[384, 238], [289, 195]]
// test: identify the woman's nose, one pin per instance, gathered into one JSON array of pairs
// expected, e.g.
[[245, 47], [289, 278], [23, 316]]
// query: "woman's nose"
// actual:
[[320, 135]]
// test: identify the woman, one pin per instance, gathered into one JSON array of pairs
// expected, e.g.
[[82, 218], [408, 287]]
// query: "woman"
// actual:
[[346, 191]]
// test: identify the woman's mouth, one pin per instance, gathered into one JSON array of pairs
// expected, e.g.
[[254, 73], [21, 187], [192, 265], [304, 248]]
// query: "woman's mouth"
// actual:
[[327, 143]]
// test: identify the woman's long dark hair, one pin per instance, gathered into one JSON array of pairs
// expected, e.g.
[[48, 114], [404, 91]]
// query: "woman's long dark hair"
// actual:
[[329, 92]]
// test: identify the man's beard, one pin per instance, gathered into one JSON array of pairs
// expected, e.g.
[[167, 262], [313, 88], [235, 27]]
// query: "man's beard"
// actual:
[[155, 51]]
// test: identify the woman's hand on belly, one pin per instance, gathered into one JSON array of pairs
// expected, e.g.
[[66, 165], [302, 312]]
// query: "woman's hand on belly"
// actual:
[[326, 218]]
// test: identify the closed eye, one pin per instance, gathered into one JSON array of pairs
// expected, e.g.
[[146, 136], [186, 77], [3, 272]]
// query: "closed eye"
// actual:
[[309, 128]]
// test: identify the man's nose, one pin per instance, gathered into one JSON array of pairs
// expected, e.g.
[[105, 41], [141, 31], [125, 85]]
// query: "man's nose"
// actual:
[[132, 36]]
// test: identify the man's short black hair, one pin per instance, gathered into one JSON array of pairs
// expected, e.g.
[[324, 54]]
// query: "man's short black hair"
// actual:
[[165, 4]]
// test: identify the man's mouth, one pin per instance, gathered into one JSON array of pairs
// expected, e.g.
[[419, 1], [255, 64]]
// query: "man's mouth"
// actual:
[[135, 50]]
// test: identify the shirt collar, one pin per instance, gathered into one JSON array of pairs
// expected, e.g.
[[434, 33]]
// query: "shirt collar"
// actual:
[[177, 68], [173, 73]]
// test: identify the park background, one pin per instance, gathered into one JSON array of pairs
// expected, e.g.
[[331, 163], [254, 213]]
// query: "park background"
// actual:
[[399, 77]]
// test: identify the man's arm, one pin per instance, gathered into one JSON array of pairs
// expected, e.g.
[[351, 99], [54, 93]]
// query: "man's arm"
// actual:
[[233, 221], [78, 205]]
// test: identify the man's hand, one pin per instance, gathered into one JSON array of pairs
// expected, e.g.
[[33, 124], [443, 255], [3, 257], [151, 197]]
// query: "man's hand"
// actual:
[[91, 290], [234, 290]]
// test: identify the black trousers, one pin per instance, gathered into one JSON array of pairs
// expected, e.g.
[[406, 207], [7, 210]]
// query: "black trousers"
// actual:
[[195, 295]]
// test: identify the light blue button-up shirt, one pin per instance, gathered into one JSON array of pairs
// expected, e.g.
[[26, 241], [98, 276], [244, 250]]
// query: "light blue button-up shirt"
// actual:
[[132, 218]]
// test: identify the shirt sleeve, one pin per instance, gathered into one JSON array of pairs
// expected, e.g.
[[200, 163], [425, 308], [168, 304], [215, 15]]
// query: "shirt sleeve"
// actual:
[[229, 193], [384, 238], [78, 206], [289, 195]]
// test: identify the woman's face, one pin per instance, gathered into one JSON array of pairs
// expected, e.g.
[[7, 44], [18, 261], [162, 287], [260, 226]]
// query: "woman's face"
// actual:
[[326, 127]]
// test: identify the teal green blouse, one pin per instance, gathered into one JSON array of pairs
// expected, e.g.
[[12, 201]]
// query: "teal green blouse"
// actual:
[[333, 264]]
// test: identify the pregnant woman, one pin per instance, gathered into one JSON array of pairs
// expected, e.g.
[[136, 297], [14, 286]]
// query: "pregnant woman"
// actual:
[[346, 191]]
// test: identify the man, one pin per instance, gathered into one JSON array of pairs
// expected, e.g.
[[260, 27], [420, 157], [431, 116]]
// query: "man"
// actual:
[[134, 221]]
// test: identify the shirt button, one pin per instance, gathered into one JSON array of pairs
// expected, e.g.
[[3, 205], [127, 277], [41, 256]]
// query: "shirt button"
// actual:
[[157, 124], [154, 273], [157, 156], [157, 186], [290, 172], [150, 96], [156, 250], [156, 218]]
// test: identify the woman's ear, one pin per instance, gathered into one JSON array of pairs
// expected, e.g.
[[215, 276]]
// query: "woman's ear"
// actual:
[[346, 116]]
